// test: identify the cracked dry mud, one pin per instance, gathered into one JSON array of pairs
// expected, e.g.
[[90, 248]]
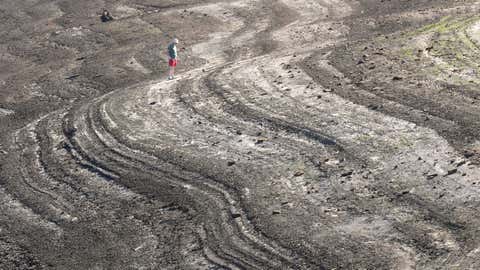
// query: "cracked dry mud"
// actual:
[[298, 134]]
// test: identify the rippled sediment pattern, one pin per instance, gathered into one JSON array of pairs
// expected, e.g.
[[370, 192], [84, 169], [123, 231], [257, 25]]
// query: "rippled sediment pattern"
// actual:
[[270, 155]]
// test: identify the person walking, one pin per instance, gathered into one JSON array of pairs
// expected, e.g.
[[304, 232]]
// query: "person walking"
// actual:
[[172, 55]]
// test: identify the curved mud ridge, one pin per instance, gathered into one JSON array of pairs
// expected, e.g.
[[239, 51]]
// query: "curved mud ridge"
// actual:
[[292, 144]]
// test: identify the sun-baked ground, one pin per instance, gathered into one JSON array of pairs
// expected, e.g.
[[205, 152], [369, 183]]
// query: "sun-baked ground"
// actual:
[[298, 134]]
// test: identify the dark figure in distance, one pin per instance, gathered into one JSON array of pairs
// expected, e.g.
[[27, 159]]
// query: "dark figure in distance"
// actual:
[[106, 16]]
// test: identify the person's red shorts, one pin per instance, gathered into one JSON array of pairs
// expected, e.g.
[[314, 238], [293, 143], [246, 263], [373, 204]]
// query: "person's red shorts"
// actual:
[[172, 62]]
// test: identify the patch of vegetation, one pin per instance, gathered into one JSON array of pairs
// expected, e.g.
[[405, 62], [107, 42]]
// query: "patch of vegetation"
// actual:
[[453, 50]]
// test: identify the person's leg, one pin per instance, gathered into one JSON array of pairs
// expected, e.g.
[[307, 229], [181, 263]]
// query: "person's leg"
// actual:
[[171, 64]]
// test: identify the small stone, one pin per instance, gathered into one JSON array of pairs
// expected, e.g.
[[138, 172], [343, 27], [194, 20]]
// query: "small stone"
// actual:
[[461, 163], [153, 103], [236, 215], [260, 140], [230, 163], [431, 176], [468, 154], [276, 212], [72, 77], [299, 173], [332, 162], [347, 173], [451, 171]]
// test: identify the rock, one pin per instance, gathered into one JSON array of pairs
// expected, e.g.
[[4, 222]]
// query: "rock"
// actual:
[[397, 78], [451, 171], [72, 77], [70, 131], [260, 140], [230, 163], [298, 173], [461, 163], [332, 162], [153, 103], [235, 215], [90, 195], [347, 173], [276, 212], [431, 175]]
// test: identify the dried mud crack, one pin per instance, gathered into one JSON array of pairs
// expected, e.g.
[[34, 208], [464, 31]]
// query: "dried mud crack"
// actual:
[[298, 134]]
